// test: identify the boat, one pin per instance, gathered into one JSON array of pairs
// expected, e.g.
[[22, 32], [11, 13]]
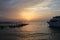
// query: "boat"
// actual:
[[54, 22]]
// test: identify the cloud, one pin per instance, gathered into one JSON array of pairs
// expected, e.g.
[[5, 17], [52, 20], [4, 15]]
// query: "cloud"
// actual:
[[9, 5], [50, 4], [55, 5], [12, 8]]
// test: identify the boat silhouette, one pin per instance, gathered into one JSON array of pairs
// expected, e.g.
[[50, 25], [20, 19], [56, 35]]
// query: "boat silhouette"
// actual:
[[54, 22]]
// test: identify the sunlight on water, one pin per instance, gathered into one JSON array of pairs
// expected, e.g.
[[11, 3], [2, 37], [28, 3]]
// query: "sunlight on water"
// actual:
[[33, 31], [36, 27]]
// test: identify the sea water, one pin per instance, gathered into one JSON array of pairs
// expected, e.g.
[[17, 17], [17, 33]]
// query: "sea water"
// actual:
[[32, 31]]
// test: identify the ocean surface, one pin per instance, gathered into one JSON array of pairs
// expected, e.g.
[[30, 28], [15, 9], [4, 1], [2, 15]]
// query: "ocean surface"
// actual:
[[32, 31]]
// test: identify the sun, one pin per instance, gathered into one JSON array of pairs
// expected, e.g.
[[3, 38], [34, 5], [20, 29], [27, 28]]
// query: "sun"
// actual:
[[27, 16], [30, 16]]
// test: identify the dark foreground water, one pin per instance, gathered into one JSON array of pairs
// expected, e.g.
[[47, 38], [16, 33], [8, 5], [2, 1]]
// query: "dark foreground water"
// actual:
[[33, 31]]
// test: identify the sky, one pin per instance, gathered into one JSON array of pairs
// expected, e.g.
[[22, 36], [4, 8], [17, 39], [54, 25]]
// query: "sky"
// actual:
[[29, 9]]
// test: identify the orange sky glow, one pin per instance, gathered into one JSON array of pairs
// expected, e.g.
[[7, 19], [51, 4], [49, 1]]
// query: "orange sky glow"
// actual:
[[29, 15]]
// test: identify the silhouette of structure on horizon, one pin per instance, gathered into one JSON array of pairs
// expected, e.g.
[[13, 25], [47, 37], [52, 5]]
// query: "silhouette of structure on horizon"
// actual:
[[11, 24]]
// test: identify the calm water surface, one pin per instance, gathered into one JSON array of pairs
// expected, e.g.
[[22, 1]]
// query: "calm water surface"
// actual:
[[33, 31]]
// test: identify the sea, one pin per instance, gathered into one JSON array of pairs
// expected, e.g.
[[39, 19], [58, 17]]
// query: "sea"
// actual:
[[32, 31]]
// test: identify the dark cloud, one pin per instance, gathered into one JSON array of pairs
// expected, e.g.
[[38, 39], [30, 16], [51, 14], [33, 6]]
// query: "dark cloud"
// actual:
[[6, 5], [9, 5], [10, 8]]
